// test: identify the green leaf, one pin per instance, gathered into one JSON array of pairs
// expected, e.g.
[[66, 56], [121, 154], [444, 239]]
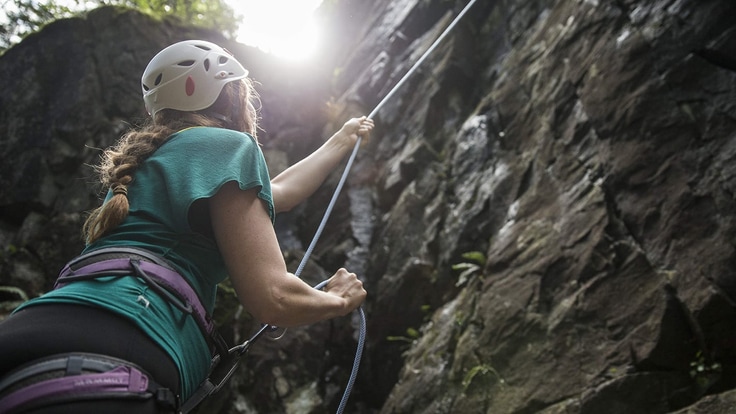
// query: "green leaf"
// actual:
[[477, 257]]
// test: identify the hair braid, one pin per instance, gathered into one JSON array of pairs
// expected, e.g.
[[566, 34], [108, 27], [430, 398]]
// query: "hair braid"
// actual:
[[116, 170], [119, 163]]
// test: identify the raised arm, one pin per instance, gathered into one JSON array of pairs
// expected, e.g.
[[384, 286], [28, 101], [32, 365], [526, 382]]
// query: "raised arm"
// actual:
[[248, 244], [302, 179]]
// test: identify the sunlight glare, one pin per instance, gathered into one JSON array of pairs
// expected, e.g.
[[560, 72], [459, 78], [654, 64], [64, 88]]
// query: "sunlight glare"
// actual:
[[284, 28]]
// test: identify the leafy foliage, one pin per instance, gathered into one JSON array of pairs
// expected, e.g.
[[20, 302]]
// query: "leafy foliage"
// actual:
[[478, 372], [214, 14], [474, 265], [23, 17]]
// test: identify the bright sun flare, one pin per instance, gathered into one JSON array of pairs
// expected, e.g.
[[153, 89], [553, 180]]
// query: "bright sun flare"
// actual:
[[285, 28]]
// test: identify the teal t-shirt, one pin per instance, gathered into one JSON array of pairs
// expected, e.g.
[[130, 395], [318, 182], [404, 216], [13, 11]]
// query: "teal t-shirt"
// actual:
[[192, 165]]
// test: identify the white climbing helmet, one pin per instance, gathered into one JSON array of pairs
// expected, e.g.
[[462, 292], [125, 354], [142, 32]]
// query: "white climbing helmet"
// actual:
[[188, 76]]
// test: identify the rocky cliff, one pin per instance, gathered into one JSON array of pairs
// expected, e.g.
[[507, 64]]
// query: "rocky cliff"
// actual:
[[544, 219]]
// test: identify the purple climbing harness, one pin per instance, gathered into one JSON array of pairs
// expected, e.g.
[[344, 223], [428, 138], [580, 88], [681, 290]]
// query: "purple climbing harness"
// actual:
[[78, 376], [84, 376], [155, 271]]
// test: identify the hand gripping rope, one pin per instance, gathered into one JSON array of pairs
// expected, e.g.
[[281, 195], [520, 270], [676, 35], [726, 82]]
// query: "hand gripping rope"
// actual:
[[241, 349]]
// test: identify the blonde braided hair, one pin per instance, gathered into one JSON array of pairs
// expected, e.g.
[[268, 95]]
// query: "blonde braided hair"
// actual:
[[119, 163]]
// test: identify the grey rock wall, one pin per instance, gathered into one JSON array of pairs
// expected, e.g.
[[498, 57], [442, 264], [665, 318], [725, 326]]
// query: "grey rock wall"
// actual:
[[544, 218], [584, 148]]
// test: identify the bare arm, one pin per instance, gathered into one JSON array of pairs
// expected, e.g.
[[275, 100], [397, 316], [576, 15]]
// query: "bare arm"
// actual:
[[302, 179], [248, 244]]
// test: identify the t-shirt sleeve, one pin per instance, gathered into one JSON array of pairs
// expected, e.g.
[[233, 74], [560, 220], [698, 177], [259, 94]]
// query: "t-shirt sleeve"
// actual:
[[195, 163]]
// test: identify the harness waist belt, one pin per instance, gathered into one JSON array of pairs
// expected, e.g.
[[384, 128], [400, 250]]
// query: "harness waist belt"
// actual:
[[159, 275], [70, 377]]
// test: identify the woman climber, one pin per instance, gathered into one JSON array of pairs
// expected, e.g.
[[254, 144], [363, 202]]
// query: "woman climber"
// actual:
[[190, 203]]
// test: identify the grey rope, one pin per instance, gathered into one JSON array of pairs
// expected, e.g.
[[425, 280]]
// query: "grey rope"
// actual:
[[356, 360], [375, 110], [333, 201]]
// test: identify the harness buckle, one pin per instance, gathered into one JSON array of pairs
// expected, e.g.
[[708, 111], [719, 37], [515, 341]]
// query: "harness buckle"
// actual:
[[166, 398]]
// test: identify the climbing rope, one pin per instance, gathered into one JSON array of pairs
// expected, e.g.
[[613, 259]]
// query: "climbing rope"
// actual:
[[375, 110], [362, 328]]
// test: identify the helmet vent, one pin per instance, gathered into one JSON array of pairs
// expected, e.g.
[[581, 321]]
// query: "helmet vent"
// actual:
[[145, 88], [158, 79], [203, 47], [206, 65], [222, 60], [186, 63]]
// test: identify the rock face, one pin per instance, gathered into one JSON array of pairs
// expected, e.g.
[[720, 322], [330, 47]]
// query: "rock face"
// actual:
[[544, 218]]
